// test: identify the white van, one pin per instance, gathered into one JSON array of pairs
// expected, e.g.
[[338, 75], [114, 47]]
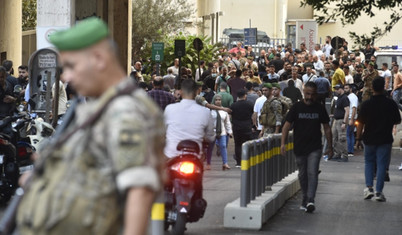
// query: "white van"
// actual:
[[388, 56]]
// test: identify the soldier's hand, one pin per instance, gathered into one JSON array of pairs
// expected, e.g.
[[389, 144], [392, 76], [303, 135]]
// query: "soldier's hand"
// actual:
[[24, 178], [329, 152], [8, 99], [283, 150], [359, 144]]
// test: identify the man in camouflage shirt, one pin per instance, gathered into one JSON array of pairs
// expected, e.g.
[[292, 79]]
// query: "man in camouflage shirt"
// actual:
[[275, 109], [100, 177]]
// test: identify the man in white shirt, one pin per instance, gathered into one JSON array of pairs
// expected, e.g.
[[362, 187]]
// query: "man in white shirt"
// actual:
[[187, 120], [175, 67], [62, 104], [309, 76], [348, 76], [318, 64], [353, 103], [326, 49], [386, 74], [317, 51], [259, 103]]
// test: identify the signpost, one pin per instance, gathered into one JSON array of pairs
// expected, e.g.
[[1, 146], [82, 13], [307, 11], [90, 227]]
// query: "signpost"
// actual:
[[198, 45], [250, 36], [179, 51], [157, 54]]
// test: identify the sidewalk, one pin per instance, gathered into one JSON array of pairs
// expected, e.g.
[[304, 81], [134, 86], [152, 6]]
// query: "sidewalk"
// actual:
[[339, 202]]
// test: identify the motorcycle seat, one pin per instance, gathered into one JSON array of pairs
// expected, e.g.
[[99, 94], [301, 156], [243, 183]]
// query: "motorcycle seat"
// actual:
[[188, 146]]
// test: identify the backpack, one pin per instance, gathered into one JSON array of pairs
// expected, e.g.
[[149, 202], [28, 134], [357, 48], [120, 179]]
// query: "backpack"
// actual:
[[267, 117], [286, 105]]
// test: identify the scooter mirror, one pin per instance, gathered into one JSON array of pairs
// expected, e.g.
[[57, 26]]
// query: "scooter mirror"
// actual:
[[17, 88]]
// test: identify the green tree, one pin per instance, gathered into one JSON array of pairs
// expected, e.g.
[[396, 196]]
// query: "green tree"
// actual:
[[209, 53], [152, 19], [28, 15], [349, 11]]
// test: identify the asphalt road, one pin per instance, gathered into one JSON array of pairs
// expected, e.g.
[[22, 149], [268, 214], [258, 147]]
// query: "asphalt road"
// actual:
[[339, 201]]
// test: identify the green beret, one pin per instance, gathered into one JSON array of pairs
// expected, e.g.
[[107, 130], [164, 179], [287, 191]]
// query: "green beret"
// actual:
[[276, 85], [267, 85], [84, 34], [199, 84]]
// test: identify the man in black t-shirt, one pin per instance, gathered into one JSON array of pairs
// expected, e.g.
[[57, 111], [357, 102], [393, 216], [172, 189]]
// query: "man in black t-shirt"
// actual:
[[307, 116], [377, 117], [242, 110], [341, 117]]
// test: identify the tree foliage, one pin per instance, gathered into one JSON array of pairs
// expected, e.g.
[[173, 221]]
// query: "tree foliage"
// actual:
[[190, 60], [152, 19], [209, 53], [28, 15], [349, 11]]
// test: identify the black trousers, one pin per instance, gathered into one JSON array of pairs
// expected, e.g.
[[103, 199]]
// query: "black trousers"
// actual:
[[240, 136]]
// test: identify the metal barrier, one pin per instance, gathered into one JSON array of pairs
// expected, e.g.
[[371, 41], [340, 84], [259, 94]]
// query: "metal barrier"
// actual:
[[263, 165], [157, 216]]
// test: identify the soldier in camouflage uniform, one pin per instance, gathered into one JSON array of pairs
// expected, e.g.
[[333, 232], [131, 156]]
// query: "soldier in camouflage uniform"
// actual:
[[275, 112], [371, 73], [100, 177]]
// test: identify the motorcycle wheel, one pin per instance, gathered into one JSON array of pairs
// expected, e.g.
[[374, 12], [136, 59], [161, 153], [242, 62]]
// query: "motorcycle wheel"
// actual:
[[179, 227]]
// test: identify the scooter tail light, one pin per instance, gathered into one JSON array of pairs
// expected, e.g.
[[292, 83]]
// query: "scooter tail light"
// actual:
[[185, 168]]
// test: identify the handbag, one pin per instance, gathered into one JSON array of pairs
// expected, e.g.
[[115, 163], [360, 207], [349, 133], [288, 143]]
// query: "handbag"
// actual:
[[218, 128]]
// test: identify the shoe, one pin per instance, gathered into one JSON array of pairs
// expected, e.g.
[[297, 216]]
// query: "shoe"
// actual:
[[386, 178], [303, 206], [350, 155], [400, 167], [344, 159], [379, 197], [368, 193], [238, 166], [334, 158], [225, 167], [208, 167], [310, 207]]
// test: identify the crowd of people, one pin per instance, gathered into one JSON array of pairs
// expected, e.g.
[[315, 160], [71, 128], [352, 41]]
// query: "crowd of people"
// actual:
[[109, 155], [258, 92]]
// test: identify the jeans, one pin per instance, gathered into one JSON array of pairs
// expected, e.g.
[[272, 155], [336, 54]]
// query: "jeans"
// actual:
[[380, 155], [222, 142], [308, 174], [396, 96], [339, 139], [209, 152], [350, 137]]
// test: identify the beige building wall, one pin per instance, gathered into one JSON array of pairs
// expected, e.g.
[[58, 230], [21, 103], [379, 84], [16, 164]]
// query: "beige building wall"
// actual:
[[364, 25], [266, 15], [11, 31]]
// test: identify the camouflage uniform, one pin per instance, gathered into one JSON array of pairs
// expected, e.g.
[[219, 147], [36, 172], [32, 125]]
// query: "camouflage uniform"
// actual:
[[275, 108], [368, 89], [82, 185]]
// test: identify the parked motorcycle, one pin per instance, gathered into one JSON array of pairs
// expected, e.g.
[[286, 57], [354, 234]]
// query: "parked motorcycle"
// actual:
[[9, 169], [183, 192]]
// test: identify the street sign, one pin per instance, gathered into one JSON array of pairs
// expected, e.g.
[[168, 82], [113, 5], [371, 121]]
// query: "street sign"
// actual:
[[337, 42], [179, 48], [198, 45], [250, 36], [157, 51]]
